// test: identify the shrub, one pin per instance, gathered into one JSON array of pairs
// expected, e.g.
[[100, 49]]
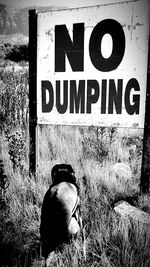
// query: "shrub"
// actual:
[[16, 150], [97, 142], [18, 53], [14, 98]]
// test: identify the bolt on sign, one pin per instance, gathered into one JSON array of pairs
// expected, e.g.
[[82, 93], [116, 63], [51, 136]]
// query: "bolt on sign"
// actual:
[[92, 65]]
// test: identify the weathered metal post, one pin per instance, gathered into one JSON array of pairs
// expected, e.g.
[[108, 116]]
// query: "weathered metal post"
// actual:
[[145, 171], [33, 148]]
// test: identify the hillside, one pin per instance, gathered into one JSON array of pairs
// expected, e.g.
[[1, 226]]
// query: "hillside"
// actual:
[[15, 20], [12, 20]]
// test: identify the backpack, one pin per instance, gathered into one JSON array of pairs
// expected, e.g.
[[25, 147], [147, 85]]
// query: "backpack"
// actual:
[[60, 216]]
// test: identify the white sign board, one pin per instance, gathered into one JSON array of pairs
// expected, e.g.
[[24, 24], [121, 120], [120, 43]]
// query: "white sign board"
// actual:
[[92, 65]]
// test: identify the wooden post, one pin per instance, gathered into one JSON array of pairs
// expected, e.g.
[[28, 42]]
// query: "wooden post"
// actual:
[[33, 149], [145, 171]]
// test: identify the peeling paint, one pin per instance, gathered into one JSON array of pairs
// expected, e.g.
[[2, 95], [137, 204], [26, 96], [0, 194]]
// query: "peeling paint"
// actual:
[[50, 34]]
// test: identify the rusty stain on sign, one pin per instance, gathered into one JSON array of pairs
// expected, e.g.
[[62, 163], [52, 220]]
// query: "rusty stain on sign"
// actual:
[[50, 34]]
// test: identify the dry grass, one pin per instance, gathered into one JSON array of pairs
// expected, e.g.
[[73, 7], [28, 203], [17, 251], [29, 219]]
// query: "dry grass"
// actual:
[[110, 240], [92, 152]]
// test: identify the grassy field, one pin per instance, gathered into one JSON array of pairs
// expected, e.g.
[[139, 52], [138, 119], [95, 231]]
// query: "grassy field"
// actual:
[[92, 152]]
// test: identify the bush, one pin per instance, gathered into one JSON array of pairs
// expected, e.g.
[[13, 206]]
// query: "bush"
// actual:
[[97, 143], [18, 53], [16, 149], [14, 98]]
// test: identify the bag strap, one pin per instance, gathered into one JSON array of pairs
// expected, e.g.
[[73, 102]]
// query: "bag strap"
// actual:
[[74, 209]]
